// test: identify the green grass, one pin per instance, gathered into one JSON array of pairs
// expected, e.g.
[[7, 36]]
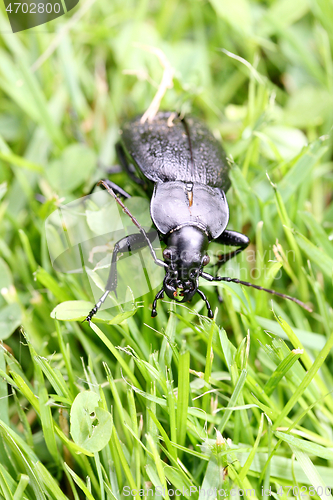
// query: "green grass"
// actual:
[[179, 401]]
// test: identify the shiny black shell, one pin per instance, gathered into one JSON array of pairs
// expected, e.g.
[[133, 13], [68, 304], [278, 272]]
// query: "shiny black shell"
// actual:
[[170, 208], [171, 149]]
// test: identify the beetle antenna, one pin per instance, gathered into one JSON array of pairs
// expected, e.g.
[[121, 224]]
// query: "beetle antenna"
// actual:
[[157, 261], [208, 277]]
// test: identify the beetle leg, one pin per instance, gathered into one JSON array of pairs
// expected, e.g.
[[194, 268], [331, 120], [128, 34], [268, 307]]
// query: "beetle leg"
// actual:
[[159, 295], [117, 189], [125, 165], [157, 261], [114, 169], [130, 243], [96, 306], [232, 238], [203, 296]]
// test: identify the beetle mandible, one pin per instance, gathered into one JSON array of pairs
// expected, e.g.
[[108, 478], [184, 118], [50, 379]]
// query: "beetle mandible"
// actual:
[[186, 172]]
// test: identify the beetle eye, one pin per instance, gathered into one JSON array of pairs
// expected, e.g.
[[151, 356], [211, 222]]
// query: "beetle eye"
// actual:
[[205, 260], [167, 254]]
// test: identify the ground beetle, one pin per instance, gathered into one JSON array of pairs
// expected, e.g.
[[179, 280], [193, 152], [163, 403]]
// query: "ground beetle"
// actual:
[[186, 173]]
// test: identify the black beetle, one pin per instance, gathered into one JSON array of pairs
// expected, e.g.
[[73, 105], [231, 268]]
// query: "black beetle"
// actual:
[[186, 172]]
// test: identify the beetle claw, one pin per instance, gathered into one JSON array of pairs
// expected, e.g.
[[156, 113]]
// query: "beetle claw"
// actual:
[[159, 295]]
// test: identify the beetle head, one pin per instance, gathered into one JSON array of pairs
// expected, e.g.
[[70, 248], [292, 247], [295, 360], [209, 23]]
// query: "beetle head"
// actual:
[[185, 255]]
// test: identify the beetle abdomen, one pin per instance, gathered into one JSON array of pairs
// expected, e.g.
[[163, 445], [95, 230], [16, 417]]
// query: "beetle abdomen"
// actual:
[[171, 149]]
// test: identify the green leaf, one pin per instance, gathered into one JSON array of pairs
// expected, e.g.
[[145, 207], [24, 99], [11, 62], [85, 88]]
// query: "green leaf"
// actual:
[[310, 375], [50, 482], [212, 479], [27, 250], [233, 400], [23, 483], [301, 170], [51, 284], [18, 161], [281, 371], [250, 458], [280, 15], [288, 141], [80, 483], [159, 465], [236, 13], [91, 426], [281, 468], [6, 279], [22, 454], [183, 393], [72, 169], [4, 488], [307, 446], [77, 310], [47, 420], [72, 310], [309, 106], [311, 340], [317, 232], [10, 319], [3, 189], [315, 254], [312, 472], [246, 195]]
